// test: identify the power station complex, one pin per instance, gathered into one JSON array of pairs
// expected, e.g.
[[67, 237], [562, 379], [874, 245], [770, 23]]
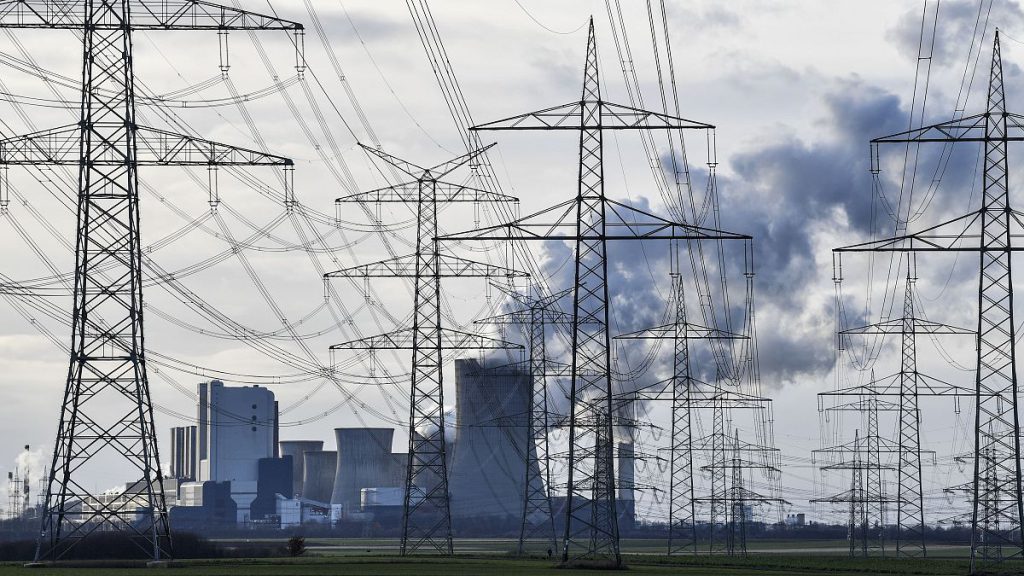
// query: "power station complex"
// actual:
[[625, 329], [234, 470]]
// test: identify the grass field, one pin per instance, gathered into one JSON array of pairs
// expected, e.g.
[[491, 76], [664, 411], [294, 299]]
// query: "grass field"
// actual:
[[352, 557], [473, 566]]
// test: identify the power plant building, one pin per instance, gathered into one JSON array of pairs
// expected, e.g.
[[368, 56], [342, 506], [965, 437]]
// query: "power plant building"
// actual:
[[232, 453], [365, 461], [488, 466], [183, 453], [296, 449], [237, 427], [319, 471]]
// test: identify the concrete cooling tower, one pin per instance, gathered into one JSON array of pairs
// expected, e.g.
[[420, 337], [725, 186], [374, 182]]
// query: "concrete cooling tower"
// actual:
[[296, 449], [319, 469], [488, 470], [364, 461]]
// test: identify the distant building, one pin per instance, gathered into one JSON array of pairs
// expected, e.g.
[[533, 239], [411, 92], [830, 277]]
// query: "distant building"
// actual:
[[128, 500], [296, 449], [183, 453], [488, 468], [626, 505], [237, 427], [799, 519], [319, 470], [204, 506], [365, 461], [275, 479]]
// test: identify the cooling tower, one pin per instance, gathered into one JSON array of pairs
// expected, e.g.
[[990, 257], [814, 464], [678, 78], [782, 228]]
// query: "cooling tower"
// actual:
[[488, 469], [319, 468], [364, 461], [295, 449]]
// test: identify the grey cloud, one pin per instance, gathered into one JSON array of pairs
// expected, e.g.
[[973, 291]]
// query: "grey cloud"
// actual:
[[781, 190], [955, 24], [692, 19]]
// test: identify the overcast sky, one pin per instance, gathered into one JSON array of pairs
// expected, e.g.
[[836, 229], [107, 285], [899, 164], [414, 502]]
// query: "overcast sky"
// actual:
[[796, 88]]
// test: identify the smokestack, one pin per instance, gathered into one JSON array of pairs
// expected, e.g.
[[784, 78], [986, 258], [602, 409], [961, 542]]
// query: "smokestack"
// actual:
[[277, 429], [627, 482]]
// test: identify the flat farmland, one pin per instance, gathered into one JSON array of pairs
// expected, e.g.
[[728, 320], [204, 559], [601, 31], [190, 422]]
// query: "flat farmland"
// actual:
[[368, 557]]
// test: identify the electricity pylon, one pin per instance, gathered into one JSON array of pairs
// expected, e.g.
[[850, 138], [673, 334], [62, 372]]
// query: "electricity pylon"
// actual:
[[723, 494], [426, 517], [107, 415], [858, 497], [989, 231], [877, 501], [686, 394], [908, 385], [590, 220], [537, 313]]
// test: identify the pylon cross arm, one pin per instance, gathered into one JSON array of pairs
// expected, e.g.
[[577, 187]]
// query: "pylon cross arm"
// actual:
[[962, 234], [610, 117], [689, 331], [967, 129], [622, 222], [408, 267], [154, 147], [526, 316], [434, 173], [701, 395], [412, 192], [145, 15], [890, 386], [920, 326], [450, 340]]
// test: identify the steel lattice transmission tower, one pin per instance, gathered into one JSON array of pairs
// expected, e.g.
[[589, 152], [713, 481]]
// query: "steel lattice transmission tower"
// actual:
[[590, 220], [997, 505], [537, 313], [426, 517], [907, 385], [725, 494], [878, 502], [864, 458], [687, 394], [106, 416], [859, 497]]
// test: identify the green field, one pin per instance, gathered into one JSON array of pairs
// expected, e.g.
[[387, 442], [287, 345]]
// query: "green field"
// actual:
[[356, 557], [471, 566]]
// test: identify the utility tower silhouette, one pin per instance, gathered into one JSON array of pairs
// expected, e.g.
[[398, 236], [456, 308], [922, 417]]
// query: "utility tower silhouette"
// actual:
[[877, 502], [725, 495], [989, 231], [590, 220], [858, 498], [686, 394], [907, 385], [107, 416], [537, 313], [873, 445], [426, 517]]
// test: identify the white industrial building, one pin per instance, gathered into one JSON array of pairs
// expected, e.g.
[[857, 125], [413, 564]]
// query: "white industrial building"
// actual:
[[237, 427]]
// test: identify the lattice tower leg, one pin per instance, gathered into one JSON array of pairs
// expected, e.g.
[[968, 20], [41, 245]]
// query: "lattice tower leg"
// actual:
[[106, 418], [910, 535], [997, 504], [591, 529], [682, 534], [427, 515]]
